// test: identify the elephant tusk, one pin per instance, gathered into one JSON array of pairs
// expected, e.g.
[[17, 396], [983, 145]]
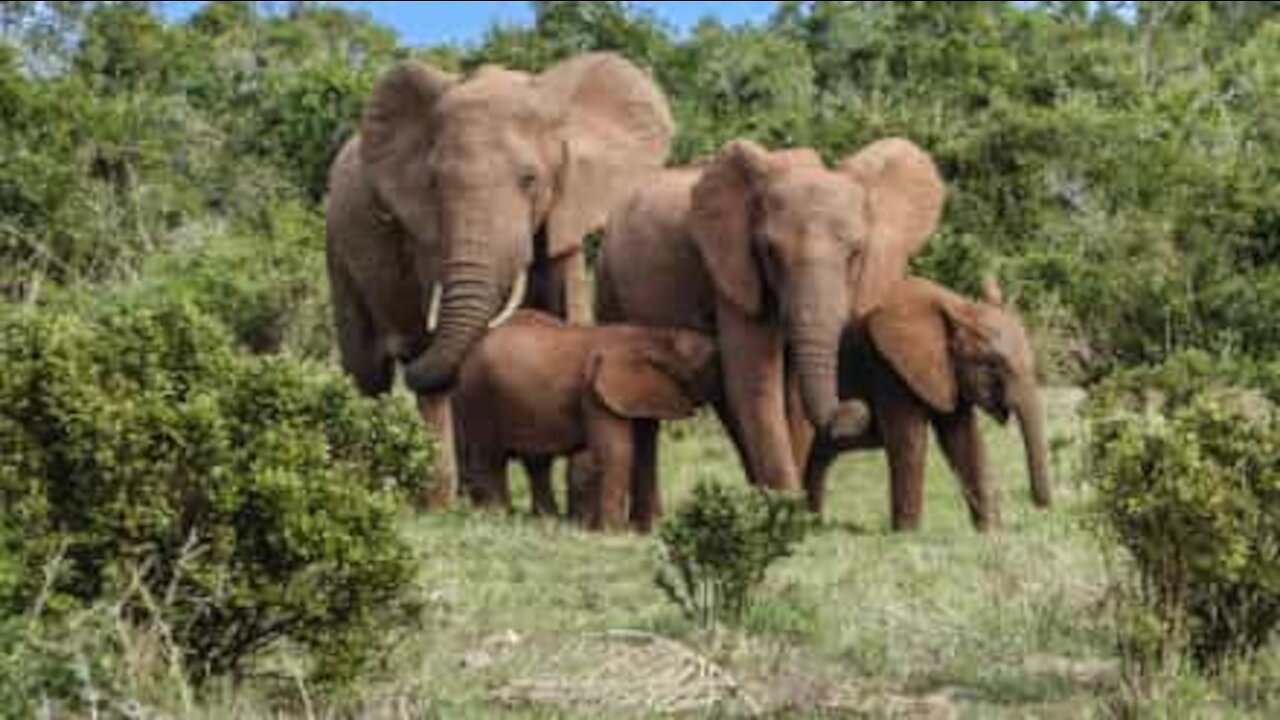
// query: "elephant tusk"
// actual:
[[513, 302], [433, 309]]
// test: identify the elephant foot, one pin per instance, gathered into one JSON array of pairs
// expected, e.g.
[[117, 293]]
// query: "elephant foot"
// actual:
[[985, 524], [852, 419], [906, 524]]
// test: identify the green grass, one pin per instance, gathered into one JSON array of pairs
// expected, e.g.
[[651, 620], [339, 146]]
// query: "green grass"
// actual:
[[997, 623], [860, 620]]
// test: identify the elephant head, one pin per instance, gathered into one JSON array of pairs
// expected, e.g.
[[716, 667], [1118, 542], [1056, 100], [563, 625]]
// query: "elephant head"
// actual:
[[475, 170], [950, 350], [788, 240]]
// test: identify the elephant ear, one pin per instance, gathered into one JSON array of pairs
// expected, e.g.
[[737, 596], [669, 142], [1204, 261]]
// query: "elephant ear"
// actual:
[[395, 128], [910, 329], [721, 209], [632, 383], [616, 133], [903, 200]]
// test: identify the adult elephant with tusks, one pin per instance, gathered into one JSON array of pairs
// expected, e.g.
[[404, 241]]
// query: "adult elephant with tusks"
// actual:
[[458, 195]]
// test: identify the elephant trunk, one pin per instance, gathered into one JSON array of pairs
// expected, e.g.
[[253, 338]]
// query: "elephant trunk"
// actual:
[[815, 326], [1031, 421], [468, 300]]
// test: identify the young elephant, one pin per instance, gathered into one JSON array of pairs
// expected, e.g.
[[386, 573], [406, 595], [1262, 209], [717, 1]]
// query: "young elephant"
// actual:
[[536, 388], [931, 356]]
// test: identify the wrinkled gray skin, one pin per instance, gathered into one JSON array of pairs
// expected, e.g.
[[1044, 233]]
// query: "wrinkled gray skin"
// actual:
[[776, 254], [931, 357], [454, 188]]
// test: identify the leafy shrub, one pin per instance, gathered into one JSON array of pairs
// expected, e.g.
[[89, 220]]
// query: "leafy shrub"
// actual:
[[88, 663], [960, 262], [268, 287], [1178, 380], [719, 545], [304, 115], [245, 495], [1194, 501]]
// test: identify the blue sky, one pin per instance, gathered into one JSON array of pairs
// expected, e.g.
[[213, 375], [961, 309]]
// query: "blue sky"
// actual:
[[421, 23]]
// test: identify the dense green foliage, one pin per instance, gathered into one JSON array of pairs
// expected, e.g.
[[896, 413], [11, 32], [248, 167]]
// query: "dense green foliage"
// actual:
[[719, 545], [1188, 484], [244, 501], [1175, 382], [264, 284]]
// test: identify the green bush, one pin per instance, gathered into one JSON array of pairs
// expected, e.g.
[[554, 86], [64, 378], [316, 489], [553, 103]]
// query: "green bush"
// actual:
[[87, 664], [268, 286], [1181, 378], [959, 262], [252, 499], [1193, 499], [719, 545]]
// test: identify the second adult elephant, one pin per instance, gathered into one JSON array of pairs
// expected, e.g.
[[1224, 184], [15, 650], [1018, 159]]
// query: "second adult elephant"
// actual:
[[455, 191], [772, 252], [932, 357]]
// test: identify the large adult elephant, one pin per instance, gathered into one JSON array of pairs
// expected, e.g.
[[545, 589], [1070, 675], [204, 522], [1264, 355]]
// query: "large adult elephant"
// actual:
[[777, 254], [456, 193]]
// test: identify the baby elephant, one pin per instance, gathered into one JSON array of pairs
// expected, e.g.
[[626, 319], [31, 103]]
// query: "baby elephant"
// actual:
[[536, 388], [930, 357]]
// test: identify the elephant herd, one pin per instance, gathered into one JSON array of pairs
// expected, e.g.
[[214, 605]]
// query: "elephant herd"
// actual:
[[767, 284]]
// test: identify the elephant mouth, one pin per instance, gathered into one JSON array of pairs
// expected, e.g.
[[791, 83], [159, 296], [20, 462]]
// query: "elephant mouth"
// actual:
[[514, 300]]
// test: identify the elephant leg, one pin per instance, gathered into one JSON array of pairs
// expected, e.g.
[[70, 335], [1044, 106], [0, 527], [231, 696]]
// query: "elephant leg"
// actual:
[[538, 467], [559, 286], [751, 357], [611, 440], [580, 478], [904, 429], [484, 476], [646, 497], [731, 429], [438, 416], [362, 358], [961, 441]]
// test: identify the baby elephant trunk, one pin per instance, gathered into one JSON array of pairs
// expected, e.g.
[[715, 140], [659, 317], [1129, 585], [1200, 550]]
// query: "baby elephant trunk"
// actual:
[[1030, 413]]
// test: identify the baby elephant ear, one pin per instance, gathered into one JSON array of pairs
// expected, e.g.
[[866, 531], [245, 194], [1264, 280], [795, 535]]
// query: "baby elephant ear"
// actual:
[[633, 386], [910, 329]]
